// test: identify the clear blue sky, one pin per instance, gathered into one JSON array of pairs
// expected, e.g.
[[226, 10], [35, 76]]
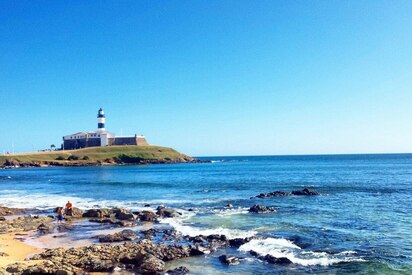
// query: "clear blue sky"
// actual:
[[210, 77]]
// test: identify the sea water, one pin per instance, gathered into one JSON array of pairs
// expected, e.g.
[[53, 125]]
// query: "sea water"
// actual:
[[361, 222]]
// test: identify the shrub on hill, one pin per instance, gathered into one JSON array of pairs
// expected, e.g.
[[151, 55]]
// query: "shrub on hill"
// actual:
[[73, 157], [86, 158], [60, 158]]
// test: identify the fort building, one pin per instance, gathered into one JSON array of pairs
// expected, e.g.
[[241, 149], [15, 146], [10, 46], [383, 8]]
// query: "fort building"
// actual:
[[100, 138]]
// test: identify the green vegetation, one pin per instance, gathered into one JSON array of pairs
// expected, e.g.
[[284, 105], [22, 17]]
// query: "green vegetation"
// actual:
[[73, 157], [96, 155]]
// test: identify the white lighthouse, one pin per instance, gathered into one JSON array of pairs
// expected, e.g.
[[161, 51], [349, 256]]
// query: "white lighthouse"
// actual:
[[101, 119], [100, 138]]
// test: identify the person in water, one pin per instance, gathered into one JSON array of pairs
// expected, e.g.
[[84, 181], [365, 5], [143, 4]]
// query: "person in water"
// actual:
[[60, 215], [69, 209]]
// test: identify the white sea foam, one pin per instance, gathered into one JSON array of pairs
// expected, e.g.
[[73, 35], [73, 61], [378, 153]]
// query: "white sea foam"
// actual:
[[230, 211], [284, 248], [186, 229], [22, 199]]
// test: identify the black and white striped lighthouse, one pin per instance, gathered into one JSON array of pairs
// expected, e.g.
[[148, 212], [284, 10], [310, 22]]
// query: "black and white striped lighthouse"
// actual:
[[101, 119]]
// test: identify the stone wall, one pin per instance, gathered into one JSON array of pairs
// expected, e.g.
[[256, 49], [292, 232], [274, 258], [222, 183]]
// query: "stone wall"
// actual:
[[81, 143]]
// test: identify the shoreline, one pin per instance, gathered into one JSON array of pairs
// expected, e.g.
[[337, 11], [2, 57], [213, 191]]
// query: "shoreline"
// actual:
[[45, 164]]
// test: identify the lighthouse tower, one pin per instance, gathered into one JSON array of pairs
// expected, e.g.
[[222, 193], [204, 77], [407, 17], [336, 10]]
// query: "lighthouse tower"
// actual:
[[101, 119]]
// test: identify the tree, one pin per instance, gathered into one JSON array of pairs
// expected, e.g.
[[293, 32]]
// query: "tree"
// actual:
[[53, 147]]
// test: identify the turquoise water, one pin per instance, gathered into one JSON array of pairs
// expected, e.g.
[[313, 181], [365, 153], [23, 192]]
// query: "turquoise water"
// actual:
[[361, 222]]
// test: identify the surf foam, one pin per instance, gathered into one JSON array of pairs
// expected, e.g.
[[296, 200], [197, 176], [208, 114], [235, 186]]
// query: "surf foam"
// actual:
[[284, 248], [195, 231]]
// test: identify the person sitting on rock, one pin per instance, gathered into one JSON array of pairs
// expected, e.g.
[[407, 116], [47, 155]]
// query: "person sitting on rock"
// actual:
[[69, 209], [60, 215]]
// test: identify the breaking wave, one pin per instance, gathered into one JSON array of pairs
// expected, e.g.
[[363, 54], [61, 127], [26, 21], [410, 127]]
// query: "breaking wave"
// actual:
[[195, 231], [284, 248]]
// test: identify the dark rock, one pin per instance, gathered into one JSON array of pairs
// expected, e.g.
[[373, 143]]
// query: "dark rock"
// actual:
[[2, 219], [229, 206], [237, 242], [216, 237], [76, 213], [125, 235], [261, 209], [198, 239], [253, 253], [151, 264], [3, 254], [167, 212], [181, 270], [273, 194], [197, 250], [123, 214], [274, 260], [107, 220], [97, 213], [190, 209], [124, 223], [147, 216], [44, 229], [147, 205], [229, 260], [305, 192]]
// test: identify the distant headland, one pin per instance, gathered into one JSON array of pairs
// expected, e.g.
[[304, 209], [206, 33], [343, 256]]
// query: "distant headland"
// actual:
[[97, 148]]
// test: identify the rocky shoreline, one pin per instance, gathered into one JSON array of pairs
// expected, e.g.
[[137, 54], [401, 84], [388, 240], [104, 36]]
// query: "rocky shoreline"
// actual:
[[10, 164], [144, 251]]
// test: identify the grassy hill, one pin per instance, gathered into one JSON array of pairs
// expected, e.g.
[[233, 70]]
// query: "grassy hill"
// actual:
[[97, 155]]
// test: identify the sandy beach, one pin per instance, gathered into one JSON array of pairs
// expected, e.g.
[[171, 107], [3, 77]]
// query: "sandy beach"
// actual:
[[13, 250]]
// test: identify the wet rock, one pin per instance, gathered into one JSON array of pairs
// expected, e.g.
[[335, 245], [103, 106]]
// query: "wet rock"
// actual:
[[197, 239], [273, 194], [16, 268], [77, 213], [97, 213], [44, 229], [166, 212], [106, 221], [305, 192], [237, 242], [261, 209], [125, 235], [63, 272], [147, 216], [5, 211], [2, 219], [123, 214], [151, 264], [229, 260], [197, 250], [253, 253], [274, 260], [150, 232], [229, 206], [216, 237], [181, 270], [124, 223], [23, 224], [147, 205]]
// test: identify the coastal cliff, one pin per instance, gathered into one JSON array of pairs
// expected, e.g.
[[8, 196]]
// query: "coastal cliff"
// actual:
[[110, 155]]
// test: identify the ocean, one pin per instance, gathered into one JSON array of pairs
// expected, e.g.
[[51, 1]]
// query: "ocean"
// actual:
[[361, 223]]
